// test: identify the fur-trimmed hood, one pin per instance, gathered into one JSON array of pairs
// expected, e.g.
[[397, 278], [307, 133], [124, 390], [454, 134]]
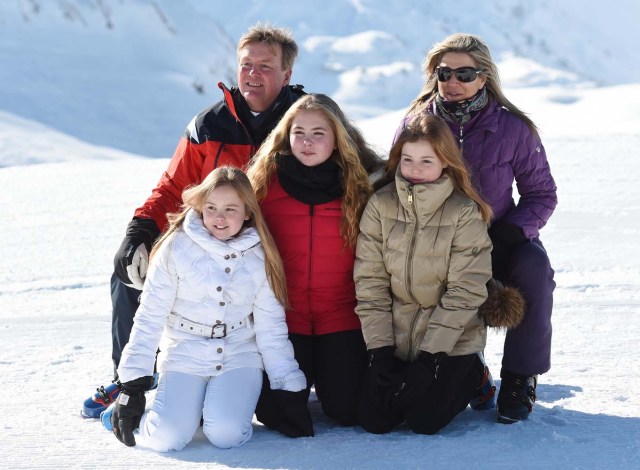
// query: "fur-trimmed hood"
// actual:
[[504, 307]]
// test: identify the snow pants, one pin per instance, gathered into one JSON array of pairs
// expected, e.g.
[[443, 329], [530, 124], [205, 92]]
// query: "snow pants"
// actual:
[[527, 348], [225, 403], [458, 379], [335, 364], [125, 301]]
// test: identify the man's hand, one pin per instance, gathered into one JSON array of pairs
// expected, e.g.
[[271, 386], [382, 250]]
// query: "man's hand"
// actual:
[[132, 259]]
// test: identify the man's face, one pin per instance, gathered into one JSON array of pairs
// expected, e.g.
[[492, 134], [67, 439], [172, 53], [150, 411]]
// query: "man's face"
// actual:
[[260, 75]]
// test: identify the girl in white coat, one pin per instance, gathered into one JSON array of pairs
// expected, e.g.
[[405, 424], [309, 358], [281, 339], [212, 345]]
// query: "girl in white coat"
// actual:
[[213, 304]]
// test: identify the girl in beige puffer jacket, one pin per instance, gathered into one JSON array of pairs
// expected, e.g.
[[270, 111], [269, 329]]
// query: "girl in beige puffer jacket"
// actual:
[[423, 259]]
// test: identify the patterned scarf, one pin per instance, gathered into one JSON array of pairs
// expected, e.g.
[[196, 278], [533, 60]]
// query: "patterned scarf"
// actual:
[[461, 112]]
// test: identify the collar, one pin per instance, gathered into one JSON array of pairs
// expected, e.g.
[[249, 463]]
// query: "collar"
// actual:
[[194, 228], [427, 198]]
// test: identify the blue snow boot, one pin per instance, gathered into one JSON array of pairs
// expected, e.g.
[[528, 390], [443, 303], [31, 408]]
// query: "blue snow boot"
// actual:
[[99, 401], [105, 417], [485, 396]]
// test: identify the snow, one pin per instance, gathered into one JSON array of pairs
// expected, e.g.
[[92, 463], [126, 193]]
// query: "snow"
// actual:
[[67, 196]]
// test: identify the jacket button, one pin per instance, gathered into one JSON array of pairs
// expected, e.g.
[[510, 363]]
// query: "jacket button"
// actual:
[[222, 304], [219, 288], [218, 367], [233, 255], [227, 270], [219, 350], [226, 257], [218, 322]]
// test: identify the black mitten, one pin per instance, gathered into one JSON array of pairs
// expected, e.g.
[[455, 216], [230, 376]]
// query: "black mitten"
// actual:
[[505, 238], [506, 234], [295, 411], [419, 375], [385, 368], [384, 375], [130, 261], [129, 409]]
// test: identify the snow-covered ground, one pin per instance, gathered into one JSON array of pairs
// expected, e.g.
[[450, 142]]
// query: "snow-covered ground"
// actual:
[[64, 208], [90, 89]]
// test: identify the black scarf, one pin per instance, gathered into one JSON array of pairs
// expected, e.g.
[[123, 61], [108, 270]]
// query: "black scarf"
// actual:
[[461, 112], [309, 184]]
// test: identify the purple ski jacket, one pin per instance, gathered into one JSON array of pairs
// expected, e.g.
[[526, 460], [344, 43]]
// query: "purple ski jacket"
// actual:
[[499, 148]]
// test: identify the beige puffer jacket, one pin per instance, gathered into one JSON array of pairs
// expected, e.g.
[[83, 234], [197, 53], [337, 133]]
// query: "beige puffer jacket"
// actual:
[[422, 262]]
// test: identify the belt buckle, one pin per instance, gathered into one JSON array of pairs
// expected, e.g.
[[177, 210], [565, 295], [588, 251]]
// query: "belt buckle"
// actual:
[[224, 330]]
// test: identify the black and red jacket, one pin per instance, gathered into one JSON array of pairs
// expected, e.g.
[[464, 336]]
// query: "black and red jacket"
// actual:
[[222, 134]]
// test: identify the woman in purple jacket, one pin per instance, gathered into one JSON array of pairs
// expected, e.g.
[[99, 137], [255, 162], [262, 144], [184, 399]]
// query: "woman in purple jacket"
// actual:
[[500, 144]]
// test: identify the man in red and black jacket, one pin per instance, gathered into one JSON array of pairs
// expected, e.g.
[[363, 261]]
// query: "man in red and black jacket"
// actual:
[[227, 133]]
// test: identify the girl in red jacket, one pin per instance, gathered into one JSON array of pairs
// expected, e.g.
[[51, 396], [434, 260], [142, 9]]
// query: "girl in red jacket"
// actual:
[[311, 181]]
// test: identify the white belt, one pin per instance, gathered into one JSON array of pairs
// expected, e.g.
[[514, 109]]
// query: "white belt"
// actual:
[[219, 330]]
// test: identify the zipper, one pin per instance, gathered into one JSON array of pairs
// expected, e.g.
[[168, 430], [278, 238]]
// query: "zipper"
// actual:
[[408, 270], [311, 214]]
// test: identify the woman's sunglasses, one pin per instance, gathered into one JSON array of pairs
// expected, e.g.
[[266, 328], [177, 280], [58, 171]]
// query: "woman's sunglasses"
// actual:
[[463, 74]]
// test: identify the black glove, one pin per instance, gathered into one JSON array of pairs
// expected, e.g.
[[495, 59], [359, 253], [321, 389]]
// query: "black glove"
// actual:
[[505, 238], [130, 261], [419, 375], [506, 234], [129, 409], [384, 376], [295, 411]]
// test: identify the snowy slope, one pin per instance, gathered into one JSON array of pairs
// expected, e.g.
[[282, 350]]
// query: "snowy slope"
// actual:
[[130, 74]]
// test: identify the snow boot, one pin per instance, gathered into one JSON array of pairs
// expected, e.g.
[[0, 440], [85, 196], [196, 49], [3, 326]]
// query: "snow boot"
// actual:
[[99, 401], [485, 396], [105, 417], [516, 398]]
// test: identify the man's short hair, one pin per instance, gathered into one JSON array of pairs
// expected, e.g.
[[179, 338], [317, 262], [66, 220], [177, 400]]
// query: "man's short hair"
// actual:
[[272, 37]]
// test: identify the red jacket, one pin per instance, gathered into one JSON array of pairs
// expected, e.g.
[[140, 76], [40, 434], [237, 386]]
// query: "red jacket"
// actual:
[[318, 266], [217, 136]]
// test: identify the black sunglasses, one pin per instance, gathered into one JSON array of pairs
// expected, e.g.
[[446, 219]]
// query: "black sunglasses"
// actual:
[[463, 74]]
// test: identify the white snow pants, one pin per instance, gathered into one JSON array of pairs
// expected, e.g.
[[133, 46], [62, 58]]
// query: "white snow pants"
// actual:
[[225, 402]]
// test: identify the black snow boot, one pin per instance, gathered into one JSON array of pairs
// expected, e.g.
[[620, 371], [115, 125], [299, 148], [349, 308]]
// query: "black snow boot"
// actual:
[[516, 397]]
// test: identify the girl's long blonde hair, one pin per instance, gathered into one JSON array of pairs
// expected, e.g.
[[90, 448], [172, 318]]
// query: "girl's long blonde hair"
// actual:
[[434, 130], [351, 147], [479, 52], [195, 198]]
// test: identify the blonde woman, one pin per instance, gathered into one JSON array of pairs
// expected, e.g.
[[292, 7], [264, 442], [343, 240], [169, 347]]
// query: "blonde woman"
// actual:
[[501, 146], [311, 179]]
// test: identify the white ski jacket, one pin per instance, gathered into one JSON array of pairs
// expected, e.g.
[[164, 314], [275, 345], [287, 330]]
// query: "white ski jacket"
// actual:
[[207, 281]]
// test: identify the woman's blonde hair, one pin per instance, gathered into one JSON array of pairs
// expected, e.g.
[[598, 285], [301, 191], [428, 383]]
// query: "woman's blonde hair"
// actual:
[[434, 130], [351, 152], [479, 52], [195, 197]]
